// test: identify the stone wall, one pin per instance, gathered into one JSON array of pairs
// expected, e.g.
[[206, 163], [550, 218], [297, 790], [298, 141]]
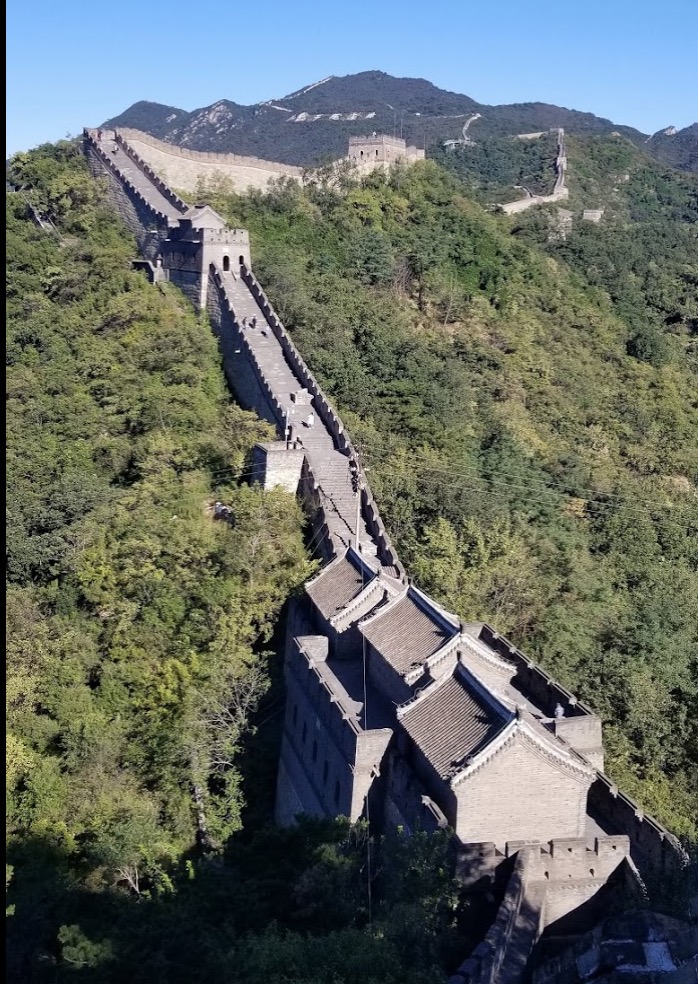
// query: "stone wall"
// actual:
[[183, 168], [502, 955], [240, 367], [147, 224], [521, 795], [161, 185], [274, 464], [386, 551], [548, 882], [182, 262], [635, 946], [382, 149], [583, 733], [513, 208], [315, 762], [542, 689], [653, 848]]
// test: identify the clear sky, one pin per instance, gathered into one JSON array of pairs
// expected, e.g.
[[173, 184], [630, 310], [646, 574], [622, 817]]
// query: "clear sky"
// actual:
[[75, 63]]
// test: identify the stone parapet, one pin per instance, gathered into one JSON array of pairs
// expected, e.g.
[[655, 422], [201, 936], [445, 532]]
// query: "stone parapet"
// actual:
[[208, 157], [652, 847], [112, 167], [502, 956], [386, 552], [185, 168], [179, 203]]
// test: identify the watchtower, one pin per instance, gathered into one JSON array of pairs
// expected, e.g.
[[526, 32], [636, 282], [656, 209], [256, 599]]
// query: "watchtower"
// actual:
[[380, 150], [201, 238]]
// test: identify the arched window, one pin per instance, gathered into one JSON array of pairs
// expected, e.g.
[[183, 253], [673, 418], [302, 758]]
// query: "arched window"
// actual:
[[325, 770], [242, 259], [305, 733], [314, 751], [336, 793], [226, 263], [295, 715]]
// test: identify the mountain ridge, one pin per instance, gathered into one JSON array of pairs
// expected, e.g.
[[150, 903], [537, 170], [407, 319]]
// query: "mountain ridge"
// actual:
[[313, 123]]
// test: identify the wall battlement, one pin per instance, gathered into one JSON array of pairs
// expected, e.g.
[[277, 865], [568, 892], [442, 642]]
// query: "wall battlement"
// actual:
[[207, 157]]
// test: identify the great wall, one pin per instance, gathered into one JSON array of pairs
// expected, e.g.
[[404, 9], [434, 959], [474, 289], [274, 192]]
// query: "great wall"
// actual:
[[187, 169], [560, 190], [396, 709]]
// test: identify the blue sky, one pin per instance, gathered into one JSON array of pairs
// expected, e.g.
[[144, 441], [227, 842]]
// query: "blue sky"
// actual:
[[76, 63]]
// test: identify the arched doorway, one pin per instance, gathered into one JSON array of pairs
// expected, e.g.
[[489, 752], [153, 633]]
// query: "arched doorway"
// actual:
[[242, 260], [226, 263]]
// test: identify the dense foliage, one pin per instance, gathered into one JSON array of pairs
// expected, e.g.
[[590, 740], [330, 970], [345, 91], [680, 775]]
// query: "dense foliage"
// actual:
[[642, 255], [496, 170], [534, 454], [142, 692]]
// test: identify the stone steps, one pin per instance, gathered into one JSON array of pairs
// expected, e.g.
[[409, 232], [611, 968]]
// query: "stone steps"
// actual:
[[329, 467]]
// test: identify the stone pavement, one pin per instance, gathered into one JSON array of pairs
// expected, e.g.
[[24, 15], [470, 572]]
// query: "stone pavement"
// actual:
[[135, 176], [330, 467]]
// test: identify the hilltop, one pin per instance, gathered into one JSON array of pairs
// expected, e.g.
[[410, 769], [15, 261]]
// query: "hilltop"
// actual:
[[315, 122]]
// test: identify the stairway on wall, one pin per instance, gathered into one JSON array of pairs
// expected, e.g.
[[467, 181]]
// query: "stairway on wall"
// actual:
[[129, 170], [329, 467]]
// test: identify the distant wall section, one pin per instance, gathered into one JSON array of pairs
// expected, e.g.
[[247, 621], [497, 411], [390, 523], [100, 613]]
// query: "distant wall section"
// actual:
[[183, 168]]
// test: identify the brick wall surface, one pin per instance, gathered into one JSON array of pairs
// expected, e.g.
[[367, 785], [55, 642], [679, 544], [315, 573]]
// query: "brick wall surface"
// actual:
[[326, 764], [520, 795], [142, 222], [184, 169], [273, 464], [238, 369]]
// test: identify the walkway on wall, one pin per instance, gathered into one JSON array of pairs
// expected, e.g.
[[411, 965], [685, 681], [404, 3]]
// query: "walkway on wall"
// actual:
[[329, 467], [131, 173]]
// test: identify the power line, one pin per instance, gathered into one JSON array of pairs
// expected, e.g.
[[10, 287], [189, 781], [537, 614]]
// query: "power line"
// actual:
[[542, 494], [534, 484], [541, 491], [552, 488], [596, 505], [537, 492]]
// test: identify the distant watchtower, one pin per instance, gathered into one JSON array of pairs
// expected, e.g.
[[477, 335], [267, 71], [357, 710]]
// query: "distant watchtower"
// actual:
[[380, 150]]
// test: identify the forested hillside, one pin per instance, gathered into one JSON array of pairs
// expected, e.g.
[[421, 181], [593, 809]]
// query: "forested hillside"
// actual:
[[529, 416], [142, 686]]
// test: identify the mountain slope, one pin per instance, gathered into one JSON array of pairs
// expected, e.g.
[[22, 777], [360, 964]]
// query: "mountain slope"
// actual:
[[316, 121], [676, 147]]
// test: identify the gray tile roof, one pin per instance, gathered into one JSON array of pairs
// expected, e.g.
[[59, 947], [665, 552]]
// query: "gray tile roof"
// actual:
[[452, 721], [406, 634], [338, 585]]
